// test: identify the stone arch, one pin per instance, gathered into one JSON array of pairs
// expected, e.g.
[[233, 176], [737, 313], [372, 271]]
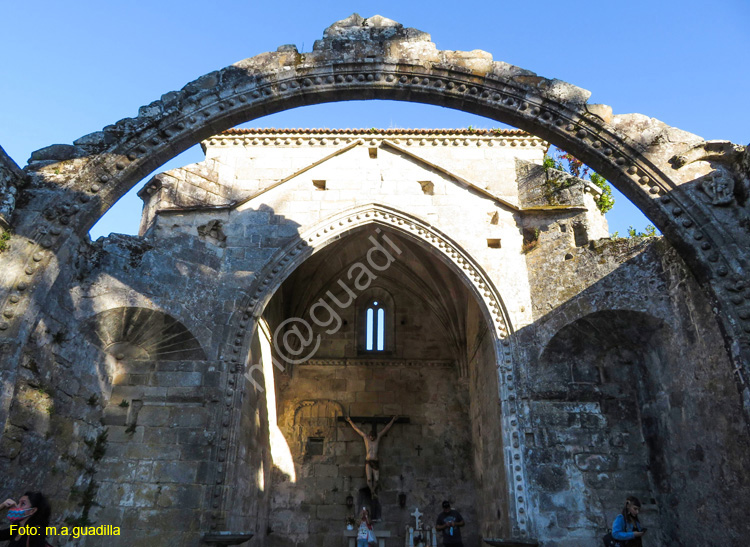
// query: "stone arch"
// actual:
[[610, 363], [250, 308], [339, 224], [383, 288], [142, 333], [607, 327], [667, 173], [679, 181], [577, 311], [314, 417]]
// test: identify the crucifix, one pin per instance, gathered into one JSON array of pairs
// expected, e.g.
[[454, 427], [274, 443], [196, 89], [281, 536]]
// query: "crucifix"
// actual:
[[372, 441], [416, 514], [419, 449]]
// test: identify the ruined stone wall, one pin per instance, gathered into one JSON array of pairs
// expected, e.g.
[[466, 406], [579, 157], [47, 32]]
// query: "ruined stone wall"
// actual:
[[629, 392], [604, 412], [161, 427], [116, 414], [249, 486], [269, 214], [54, 441]]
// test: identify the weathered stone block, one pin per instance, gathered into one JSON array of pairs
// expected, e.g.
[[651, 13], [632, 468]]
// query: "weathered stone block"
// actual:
[[114, 416], [176, 472], [596, 462], [195, 417], [331, 512], [367, 397], [140, 451], [326, 470], [170, 379], [154, 416], [551, 478], [159, 435], [180, 496]]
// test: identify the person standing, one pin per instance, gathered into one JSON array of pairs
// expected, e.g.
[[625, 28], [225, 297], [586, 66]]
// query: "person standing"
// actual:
[[364, 532], [627, 528], [450, 522]]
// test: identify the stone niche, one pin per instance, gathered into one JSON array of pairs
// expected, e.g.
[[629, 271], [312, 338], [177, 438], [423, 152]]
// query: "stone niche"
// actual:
[[424, 372], [625, 387]]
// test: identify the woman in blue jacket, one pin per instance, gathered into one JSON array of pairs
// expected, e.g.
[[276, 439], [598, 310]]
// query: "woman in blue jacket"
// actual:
[[627, 528]]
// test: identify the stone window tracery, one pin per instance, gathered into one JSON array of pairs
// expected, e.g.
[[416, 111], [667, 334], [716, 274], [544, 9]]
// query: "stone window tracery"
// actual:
[[375, 322], [375, 326]]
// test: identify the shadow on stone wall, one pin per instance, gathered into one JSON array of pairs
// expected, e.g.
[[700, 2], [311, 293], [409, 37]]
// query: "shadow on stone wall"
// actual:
[[630, 392]]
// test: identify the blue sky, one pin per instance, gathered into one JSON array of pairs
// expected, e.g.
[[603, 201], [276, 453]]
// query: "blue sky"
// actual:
[[71, 68]]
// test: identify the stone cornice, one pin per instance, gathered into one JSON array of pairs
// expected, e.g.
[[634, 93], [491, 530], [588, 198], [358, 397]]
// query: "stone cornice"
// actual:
[[403, 137]]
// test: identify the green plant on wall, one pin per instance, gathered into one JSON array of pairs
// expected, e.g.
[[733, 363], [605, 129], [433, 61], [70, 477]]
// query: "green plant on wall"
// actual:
[[97, 447], [4, 239], [648, 231], [530, 240], [562, 161]]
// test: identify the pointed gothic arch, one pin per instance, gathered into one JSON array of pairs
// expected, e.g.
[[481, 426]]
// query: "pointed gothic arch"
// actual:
[[316, 238]]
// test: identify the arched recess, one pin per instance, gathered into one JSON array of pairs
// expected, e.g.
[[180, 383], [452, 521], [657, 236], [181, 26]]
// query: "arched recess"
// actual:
[[595, 381], [664, 171], [237, 349], [141, 333], [628, 410]]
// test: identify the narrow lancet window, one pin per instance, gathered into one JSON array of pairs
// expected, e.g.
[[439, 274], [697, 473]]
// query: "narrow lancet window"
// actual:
[[381, 329], [375, 327]]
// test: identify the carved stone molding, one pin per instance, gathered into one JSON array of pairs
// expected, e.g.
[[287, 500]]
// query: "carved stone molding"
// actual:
[[314, 239], [364, 362], [374, 138]]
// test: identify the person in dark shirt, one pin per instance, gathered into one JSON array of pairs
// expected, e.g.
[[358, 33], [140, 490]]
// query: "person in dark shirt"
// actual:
[[450, 522], [32, 509]]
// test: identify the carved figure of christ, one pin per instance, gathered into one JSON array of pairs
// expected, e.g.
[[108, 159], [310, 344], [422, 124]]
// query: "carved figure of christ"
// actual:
[[372, 465]]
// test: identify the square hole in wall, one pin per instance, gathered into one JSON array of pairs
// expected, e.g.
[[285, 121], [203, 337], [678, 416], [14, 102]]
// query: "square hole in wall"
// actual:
[[314, 446], [319, 184], [373, 153], [493, 243]]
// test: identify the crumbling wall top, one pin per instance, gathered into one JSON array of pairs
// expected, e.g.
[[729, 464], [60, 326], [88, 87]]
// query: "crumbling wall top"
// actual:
[[11, 178], [374, 29]]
